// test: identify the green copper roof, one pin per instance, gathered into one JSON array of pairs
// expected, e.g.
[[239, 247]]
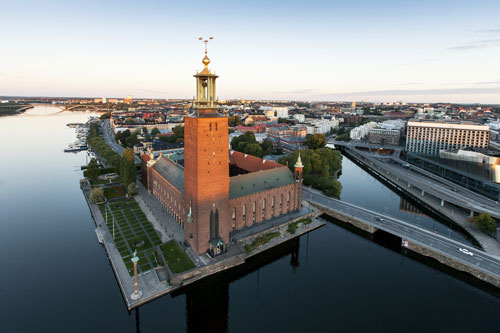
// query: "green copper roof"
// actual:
[[258, 181], [171, 171]]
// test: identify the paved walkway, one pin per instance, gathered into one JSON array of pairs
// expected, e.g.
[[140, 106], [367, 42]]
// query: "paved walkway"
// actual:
[[159, 215]]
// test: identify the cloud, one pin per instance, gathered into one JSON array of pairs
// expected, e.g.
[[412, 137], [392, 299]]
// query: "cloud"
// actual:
[[489, 82], [488, 31], [152, 91], [296, 92], [478, 44], [409, 84], [418, 62], [413, 92]]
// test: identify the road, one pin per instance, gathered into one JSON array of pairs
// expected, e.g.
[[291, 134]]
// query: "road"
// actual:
[[450, 248], [109, 138], [434, 185]]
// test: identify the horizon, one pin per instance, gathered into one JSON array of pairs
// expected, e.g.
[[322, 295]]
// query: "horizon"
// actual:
[[423, 52]]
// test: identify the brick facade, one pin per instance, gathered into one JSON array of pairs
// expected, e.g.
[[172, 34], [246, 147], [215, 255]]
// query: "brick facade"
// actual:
[[206, 178], [278, 201]]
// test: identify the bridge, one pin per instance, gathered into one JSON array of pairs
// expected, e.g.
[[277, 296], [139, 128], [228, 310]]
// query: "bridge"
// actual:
[[480, 264], [83, 107]]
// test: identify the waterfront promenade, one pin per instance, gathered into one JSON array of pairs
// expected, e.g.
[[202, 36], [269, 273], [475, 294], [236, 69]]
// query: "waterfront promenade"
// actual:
[[482, 265]]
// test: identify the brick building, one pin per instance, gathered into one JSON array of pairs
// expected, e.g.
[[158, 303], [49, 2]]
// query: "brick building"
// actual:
[[215, 191]]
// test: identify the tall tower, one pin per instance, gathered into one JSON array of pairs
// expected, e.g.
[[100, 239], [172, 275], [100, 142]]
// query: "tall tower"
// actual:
[[206, 168]]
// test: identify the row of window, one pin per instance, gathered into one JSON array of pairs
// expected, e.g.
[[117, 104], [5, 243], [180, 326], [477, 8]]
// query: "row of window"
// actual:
[[263, 209]]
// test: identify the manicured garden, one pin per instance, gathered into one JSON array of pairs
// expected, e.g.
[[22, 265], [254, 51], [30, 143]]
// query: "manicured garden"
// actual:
[[292, 227], [112, 192], [132, 231], [177, 260], [262, 240]]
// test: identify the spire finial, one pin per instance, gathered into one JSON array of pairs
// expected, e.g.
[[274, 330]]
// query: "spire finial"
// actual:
[[205, 60], [299, 164]]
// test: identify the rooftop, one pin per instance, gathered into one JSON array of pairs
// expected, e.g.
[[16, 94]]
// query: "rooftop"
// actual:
[[171, 171], [254, 182]]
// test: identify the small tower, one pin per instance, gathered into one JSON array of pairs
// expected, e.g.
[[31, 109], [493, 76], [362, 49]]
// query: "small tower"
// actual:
[[206, 98], [298, 169]]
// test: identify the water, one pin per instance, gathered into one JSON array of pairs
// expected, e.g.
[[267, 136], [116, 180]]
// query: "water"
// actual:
[[362, 189], [56, 277]]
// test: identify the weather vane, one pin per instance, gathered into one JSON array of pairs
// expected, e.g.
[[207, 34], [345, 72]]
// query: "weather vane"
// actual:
[[206, 42]]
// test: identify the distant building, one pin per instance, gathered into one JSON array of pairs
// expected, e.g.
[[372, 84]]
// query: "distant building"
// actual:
[[389, 132], [128, 100], [362, 131], [430, 137]]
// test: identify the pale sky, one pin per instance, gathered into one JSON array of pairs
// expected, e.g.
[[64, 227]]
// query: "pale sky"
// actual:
[[415, 51]]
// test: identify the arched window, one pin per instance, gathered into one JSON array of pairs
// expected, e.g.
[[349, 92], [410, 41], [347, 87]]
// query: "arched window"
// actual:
[[210, 126], [217, 223], [253, 212], [244, 215], [263, 209], [212, 225], [234, 217]]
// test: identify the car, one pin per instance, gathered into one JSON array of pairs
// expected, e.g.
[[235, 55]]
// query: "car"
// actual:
[[465, 251], [378, 218]]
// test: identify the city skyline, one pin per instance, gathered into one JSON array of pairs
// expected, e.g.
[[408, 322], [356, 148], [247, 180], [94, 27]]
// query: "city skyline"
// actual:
[[425, 52]]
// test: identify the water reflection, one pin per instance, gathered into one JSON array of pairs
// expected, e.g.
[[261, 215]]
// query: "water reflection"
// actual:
[[207, 301]]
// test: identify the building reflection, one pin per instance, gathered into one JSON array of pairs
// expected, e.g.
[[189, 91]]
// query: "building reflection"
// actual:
[[408, 207], [207, 301]]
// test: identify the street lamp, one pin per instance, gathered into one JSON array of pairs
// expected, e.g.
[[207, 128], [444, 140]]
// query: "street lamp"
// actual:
[[137, 293]]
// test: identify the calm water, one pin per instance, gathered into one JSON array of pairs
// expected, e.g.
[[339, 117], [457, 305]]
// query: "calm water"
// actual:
[[56, 277]]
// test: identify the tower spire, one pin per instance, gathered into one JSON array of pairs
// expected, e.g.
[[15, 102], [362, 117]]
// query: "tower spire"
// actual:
[[206, 60], [206, 97]]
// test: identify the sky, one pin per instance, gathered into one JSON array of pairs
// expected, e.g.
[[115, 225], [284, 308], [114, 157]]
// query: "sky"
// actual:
[[414, 51]]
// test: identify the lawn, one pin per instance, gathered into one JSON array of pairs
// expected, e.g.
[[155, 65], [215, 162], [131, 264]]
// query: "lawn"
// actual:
[[176, 258], [131, 227], [114, 192]]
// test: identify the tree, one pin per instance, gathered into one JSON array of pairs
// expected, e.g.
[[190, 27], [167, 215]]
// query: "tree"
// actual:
[[247, 137], [128, 154], [93, 170], [131, 188], [485, 223], [132, 140], [315, 141], [127, 172], [319, 167], [145, 131], [234, 121], [155, 131], [106, 115], [97, 194], [267, 147], [253, 149]]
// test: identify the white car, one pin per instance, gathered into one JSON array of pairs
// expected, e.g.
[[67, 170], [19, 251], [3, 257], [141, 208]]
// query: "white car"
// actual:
[[466, 252]]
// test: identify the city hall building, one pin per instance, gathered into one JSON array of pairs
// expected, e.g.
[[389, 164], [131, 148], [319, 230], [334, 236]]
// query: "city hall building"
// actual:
[[210, 190]]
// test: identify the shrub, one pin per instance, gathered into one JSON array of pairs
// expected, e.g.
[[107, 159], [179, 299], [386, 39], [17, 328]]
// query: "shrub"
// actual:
[[97, 194], [131, 189]]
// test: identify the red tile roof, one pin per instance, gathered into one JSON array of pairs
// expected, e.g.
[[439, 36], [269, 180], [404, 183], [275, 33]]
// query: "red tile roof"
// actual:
[[251, 163]]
